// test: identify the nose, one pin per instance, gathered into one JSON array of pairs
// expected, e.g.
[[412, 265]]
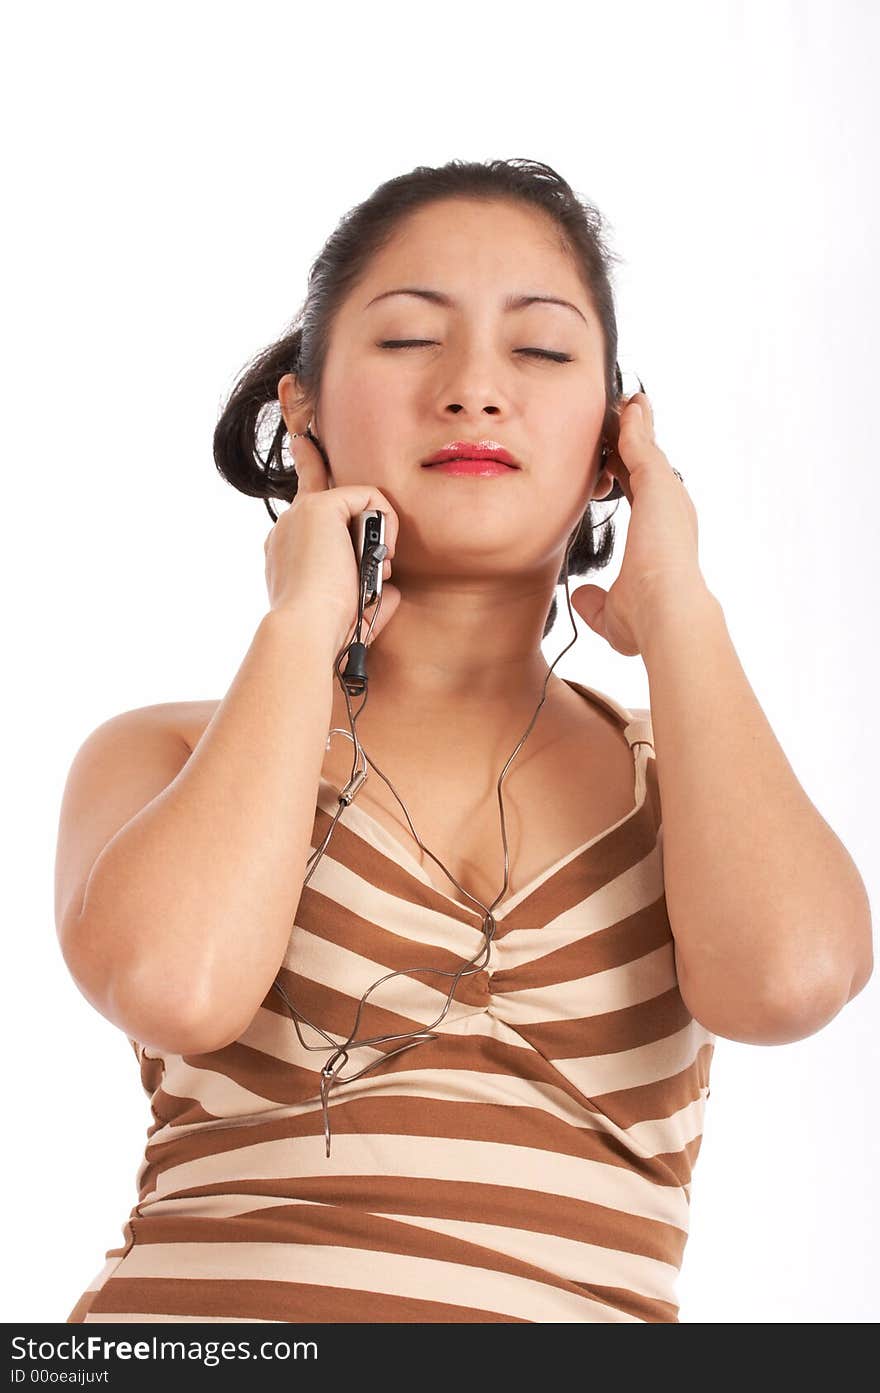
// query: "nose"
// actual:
[[472, 385], [459, 406]]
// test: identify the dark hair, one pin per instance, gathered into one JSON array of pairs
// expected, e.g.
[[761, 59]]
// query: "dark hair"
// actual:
[[253, 402]]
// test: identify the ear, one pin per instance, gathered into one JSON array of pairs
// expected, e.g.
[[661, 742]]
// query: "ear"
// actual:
[[294, 405], [604, 484]]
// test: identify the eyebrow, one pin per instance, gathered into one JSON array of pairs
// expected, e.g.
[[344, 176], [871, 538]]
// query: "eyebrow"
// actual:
[[513, 302]]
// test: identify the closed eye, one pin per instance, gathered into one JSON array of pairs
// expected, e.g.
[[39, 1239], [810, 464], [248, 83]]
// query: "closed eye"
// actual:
[[417, 343]]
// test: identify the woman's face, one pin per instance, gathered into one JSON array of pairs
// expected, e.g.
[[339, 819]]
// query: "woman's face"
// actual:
[[383, 410]]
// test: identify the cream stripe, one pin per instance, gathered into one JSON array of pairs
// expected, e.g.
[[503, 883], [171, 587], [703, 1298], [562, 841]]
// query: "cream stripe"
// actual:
[[565, 1257], [349, 891], [219, 1095], [637, 887], [647, 1138], [634, 890], [229, 1206], [593, 1076], [606, 1073], [351, 974], [571, 1258], [226, 1099], [466, 1087], [391, 1274], [434, 1158], [417, 999], [277, 1036], [672, 1133], [616, 988]]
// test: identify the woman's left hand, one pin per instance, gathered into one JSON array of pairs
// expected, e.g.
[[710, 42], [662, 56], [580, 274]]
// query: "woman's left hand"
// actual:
[[661, 542]]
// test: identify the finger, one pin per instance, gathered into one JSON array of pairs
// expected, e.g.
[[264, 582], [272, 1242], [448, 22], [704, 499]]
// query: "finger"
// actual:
[[618, 470], [311, 471], [635, 411], [636, 443], [617, 416], [644, 412]]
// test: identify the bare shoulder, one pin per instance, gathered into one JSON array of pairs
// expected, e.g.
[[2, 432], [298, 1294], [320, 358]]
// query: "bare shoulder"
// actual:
[[188, 719], [121, 766]]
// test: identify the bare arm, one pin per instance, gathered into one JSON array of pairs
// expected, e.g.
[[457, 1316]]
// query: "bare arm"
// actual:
[[771, 919], [182, 923]]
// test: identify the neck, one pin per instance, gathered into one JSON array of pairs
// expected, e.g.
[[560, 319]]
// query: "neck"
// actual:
[[464, 648]]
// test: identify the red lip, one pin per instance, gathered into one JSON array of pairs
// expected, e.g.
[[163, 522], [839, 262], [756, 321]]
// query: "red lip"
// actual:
[[467, 449]]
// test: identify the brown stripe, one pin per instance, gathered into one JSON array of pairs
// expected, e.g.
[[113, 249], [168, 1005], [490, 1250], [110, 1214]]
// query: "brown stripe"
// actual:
[[625, 1029], [446, 1052], [152, 1071], [617, 945], [653, 1311], [578, 1219], [566, 888], [625, 1106], [334, 1010], [682, 1163], [178, 1111], [375, 1116], [323, 918], [367, 860], [339, 1227], [333, 922], [278, 1301], [281, 1082]]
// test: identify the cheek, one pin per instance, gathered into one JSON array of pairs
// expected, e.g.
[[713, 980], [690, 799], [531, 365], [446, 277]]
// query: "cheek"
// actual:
[[573, 424], [573, 485], [355, 418], [372, 391]]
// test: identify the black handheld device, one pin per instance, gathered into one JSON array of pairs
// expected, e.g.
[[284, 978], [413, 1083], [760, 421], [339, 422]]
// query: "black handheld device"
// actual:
[[368, 537]]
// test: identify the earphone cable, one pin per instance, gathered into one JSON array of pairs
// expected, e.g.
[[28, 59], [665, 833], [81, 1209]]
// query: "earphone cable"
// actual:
[[331, 1071]]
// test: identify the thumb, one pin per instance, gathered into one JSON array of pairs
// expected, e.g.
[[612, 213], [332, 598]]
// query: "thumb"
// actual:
[[387, 610], [589, 602]]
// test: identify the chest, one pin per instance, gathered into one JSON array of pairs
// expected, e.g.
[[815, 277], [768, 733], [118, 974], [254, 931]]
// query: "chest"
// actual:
[[573, 785]]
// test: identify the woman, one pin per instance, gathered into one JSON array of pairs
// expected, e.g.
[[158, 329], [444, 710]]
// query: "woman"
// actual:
[[530, 1158]]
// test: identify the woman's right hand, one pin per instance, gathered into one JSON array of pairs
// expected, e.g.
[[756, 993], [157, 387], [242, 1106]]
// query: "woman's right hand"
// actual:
[[310, 554]]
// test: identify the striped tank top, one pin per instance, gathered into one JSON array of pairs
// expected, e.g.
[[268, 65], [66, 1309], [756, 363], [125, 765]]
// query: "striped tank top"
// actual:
[[532, 1162]]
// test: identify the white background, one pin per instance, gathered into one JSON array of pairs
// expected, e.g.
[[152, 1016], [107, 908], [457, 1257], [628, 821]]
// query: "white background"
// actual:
[[171, 171]]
